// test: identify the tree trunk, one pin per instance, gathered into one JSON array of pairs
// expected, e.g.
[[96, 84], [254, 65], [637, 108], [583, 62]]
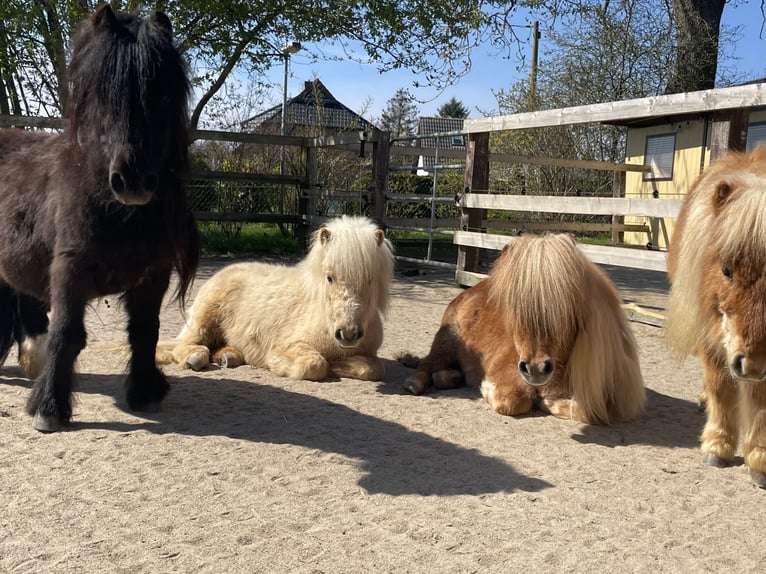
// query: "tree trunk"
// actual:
[[698, 24]]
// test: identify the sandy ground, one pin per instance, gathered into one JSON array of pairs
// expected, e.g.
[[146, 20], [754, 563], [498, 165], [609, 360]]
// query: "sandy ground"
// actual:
[[247, 472]]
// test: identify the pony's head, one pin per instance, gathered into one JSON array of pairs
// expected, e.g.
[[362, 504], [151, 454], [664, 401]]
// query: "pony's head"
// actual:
[[728, 224], [128, 101], [353, 263], [537, 285]]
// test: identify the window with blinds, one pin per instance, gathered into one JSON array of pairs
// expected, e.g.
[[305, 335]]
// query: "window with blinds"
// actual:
[[660, 150], [756, 134]]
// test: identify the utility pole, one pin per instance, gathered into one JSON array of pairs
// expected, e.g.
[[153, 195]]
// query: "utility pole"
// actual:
[[533, 72]]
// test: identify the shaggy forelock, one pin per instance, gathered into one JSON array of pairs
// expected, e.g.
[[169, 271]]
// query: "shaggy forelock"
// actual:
[[132, 64], [539, 282], [352, 254]]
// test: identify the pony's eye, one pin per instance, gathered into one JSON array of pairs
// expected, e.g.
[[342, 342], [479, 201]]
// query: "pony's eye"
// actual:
[[329, 278], [727, 272]]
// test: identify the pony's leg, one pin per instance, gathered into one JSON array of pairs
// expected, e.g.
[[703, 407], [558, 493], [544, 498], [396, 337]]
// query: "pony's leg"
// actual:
[[145, 384], [358, 367], [563, 409], [300, 361], [753, 405], [720, 435], [506, 399], [229, 357], [8, 326], [196, 357], [50, 400], [502, 386], [448, 379], [442, 357], [33, 316]]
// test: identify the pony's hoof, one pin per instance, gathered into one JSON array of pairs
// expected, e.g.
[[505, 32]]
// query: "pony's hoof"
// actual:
[[758, 477], [711, 459], [413, 386], [197, 361], [229, 361], [46, 423], [150, 407]]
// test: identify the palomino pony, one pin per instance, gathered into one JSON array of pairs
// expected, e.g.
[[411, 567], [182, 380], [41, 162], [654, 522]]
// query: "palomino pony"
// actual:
[[101, 208], [546, 328], [717, 305], [320, 318]]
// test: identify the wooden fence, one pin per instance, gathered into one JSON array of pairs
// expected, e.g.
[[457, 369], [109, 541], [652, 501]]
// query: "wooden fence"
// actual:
[[724, 107], [472, 232]]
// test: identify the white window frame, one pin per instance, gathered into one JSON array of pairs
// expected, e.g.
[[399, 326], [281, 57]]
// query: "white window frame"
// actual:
[[660, 156]]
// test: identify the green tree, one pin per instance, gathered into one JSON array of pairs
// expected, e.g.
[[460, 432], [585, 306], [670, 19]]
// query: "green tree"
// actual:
[[453, 109], [243, 37], [400, 117]]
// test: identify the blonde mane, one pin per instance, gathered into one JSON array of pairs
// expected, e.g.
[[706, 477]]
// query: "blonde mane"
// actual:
[[735, 229]]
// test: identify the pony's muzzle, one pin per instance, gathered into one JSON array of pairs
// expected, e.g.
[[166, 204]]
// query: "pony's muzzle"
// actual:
[[136, 188], [349, 337], [746, 368], [536, 374]]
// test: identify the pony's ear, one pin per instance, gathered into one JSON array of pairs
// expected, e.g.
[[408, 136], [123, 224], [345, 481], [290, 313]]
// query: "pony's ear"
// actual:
[[722, 194], [379, 236], [103, 17], [161, 20], [324, 235]]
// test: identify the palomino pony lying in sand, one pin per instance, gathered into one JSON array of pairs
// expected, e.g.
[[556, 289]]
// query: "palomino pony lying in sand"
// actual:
[[545, 328], [717, 305], [320, 318]]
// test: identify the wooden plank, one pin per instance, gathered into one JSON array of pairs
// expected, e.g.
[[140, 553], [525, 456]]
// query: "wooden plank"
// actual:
[[251, 138], [244, 177], [409, 151], [411, 198], [582, 205], [246, 217], [346, 138], [734, 97], [576, 163], [32, 122], [619, 256], [468, 278], [452, 224]]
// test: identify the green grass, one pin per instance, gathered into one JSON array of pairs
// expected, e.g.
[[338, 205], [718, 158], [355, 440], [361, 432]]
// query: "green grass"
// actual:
[[245, 239]]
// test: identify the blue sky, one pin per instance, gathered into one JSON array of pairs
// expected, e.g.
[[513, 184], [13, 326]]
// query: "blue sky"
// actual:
[[353, 83]]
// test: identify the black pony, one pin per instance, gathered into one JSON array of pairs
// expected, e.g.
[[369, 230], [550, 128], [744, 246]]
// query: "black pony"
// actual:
[[101, 208]]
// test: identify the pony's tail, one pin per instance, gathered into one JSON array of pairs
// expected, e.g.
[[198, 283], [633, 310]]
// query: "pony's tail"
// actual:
[[604, 369], [9, 320]]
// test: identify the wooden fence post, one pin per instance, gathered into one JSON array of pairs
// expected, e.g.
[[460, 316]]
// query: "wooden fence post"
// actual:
[[476, 181], [381, 150], [729, 132], [307, 200], [618, 190]]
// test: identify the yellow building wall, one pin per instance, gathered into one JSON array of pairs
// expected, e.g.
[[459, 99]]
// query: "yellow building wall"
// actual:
[[691, 156]]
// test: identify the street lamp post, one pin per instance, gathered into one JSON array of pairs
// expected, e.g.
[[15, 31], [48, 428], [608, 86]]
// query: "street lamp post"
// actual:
[[286, 50]]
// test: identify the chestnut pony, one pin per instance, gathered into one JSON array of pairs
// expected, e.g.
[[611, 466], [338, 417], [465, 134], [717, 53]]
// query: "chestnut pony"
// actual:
[[99, 209], [320, 318], [545, 329], [717, 305]]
